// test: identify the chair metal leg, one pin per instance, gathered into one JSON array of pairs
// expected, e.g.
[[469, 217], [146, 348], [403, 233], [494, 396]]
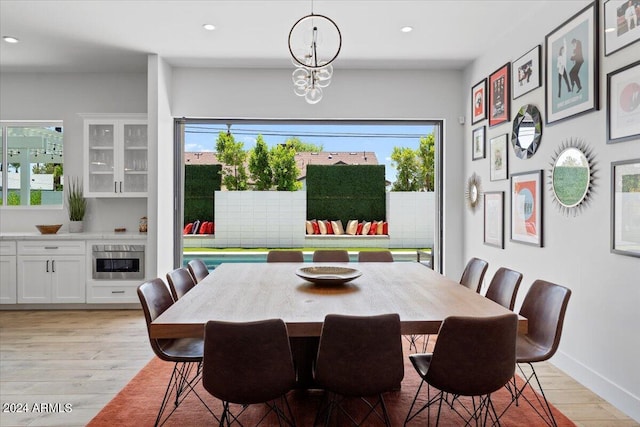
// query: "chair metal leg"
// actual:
[[545, 412]]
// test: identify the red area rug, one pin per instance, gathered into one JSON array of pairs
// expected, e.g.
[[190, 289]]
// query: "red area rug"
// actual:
[[138, 403]]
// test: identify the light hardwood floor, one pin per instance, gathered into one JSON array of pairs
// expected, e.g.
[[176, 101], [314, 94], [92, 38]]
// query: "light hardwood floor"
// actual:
[[85, 357]]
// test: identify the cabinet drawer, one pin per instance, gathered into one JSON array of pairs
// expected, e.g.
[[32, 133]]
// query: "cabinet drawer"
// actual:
[[54, 247], [7, 248], [111, 294]]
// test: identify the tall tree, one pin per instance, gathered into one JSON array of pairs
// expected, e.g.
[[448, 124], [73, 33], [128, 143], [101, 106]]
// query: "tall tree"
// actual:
[[285, 170], [409, 175], [426, 155], [259, 165], [302, 147], [232, 155]]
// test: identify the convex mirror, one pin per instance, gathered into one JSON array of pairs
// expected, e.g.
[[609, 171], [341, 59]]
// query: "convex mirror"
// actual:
[[571, 176]]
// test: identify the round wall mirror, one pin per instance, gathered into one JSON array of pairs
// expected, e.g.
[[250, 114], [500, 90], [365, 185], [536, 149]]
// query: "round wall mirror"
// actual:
[[527, 131], [571, 176], [473, 191]]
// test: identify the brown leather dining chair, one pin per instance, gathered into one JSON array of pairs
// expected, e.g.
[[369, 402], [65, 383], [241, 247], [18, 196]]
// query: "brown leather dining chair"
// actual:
[[504, 287], [185, 353], [248, 363], [330, 255], [198, 269], [180, 282], [473, 356], [544, 306], [375, 256], [358, 356], [473, 274], [285, 256]]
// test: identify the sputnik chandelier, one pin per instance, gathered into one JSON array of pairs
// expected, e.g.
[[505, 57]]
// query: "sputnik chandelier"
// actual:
[[314, 43]]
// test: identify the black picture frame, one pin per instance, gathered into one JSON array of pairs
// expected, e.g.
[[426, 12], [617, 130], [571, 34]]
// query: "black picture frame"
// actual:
[[499, 101], [618, 29], [526, 72], [478, 143], [479, 102], [625, 207], [623, 104], [572, 66]]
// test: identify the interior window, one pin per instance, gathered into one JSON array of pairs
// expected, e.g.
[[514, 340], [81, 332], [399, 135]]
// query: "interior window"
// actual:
[[32, 164]]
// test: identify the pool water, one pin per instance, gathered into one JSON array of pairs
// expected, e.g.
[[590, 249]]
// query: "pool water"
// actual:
[[214, 259]]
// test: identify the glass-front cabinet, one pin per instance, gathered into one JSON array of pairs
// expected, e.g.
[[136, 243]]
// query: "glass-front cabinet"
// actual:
[[116, 156]]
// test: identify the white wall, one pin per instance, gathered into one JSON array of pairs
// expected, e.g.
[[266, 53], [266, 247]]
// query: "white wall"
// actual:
[[353, 94], [33, 96], [600, 345]]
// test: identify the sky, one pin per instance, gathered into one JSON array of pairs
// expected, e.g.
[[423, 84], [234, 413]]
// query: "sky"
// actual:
[[379, 138]]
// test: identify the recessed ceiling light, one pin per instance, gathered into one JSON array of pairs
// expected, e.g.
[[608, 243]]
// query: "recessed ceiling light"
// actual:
[[406, 29], [209, 27], [10, 39]]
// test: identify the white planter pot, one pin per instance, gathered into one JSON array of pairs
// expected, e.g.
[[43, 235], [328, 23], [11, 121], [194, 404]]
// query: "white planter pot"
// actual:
[[76, 226]]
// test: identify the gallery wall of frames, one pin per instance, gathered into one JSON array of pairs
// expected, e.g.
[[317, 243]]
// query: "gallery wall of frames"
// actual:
[[565, 67]]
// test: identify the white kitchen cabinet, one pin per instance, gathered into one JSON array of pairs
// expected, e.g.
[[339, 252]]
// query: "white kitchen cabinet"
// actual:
[[8, 280], [51, 272], [115, 155]]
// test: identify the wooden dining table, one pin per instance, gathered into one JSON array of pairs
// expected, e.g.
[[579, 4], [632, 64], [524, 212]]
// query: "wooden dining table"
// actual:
[[243, 292]]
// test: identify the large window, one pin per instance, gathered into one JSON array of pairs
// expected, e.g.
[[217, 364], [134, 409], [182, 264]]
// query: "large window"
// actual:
[[31, 161]]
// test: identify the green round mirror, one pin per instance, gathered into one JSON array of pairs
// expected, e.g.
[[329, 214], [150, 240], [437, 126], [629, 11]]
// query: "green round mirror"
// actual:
[[571, 176]]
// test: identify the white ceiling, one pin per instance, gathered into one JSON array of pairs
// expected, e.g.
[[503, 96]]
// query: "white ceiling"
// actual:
[[117, 35]]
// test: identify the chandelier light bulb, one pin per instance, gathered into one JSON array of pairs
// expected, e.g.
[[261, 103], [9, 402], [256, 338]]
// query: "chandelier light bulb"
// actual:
[[314, 95]]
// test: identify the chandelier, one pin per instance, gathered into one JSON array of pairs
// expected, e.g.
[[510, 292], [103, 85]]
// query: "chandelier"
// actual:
[[314, 43]]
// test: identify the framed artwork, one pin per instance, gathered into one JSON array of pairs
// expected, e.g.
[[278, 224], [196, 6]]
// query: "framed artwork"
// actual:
[[494, 219], [478, 138], [571, 52], [479, 102], [526, 72], [621, 24], [625, 207], [499, 97], [526, 208], [623, 104], [498, 158]]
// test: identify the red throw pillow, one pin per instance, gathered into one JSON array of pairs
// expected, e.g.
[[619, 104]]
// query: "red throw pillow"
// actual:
[[329, 227], [359, 229], [316, 227], [188, 228], [385, 228], [374, 227]]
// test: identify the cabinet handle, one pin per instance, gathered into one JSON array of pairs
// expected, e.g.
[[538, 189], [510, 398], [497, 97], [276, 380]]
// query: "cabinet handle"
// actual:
[[47, 266], [121, 186], [53, 266], [51, 247], [115, 187], [117, 292]]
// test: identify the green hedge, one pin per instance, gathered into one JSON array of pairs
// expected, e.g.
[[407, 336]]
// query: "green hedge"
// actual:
[[200, 184], [346, 192]]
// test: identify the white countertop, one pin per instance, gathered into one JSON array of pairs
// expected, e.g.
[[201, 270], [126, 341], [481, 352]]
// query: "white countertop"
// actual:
[[91, 235]]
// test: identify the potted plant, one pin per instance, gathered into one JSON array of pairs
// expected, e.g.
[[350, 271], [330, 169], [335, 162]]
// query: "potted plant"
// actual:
[[77, 205]]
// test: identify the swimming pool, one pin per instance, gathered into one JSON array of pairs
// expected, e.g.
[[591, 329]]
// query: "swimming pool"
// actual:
[[214, 259]]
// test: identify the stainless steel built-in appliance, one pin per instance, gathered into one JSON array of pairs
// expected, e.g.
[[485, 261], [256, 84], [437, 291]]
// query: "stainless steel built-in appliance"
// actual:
[[118, 262]]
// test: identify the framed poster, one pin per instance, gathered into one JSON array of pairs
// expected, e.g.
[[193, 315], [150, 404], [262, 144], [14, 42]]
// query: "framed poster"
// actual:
[[572, 66], [526, 208], [499, 97], [623, 104], [498, 158], [625, 207], [621, 20], [478, 141], [494, 219], [479, 102], [526, 72]]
